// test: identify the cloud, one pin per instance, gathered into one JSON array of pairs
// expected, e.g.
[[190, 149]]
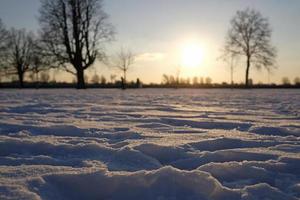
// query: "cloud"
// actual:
[[150, 56]]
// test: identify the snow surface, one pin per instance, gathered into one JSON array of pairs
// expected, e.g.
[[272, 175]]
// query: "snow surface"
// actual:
[[150, 144]]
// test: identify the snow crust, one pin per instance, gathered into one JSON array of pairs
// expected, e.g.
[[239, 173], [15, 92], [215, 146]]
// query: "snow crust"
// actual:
[[150, 144]]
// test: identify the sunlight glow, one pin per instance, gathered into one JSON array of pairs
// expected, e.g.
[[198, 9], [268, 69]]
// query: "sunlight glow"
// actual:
[[192, 55]]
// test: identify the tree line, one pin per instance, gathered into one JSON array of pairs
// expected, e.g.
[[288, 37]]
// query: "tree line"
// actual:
[[73, 35], [176, 81]]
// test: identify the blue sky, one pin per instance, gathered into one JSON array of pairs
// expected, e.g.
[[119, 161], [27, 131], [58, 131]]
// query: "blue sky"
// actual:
[[156, 30]]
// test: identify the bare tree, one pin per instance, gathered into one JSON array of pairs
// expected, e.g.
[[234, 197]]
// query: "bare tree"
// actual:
[[201, 80], [74, 33], [36, 68], [178, 71], [250, 36], [3, 36], [165, 79], [95, 79], [3, 45], [113, 78], [173, 81], [123, 61], [270, 72], [286, 81], [297, 81], [188, 81], [232, 59], [38, 63], [19, 53], [195, 81], [102, 80], [208, 81]]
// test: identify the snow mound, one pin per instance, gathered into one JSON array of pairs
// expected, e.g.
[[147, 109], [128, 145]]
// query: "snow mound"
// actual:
[[165, 183], [264, 191], [116, 159], [279, 131], [12, 191], [57, 130], [206, 124], [229, 143], [164, 154], [221, 156]]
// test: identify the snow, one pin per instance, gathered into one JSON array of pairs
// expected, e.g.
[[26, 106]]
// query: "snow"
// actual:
[[152, 144]]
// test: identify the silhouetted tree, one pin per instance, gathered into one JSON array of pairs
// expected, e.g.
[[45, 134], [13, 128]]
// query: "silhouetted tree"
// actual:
[[173, 80], [297, 81], [122, 82], [37, 63], [35, 69], [3, 39], [95, 79], [188, 81], [3, 33], [123, 61], [208, 80], [195, 81], [250, 36], [138, 83], [286, 81], [19, 53], [201, 80], [113, 78], [102, 80], [182, 81], [3, 45], [74, 33], [232, 59], [165, 79]]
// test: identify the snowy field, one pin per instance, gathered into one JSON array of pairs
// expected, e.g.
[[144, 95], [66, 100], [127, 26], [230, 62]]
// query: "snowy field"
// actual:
[[150, 144]]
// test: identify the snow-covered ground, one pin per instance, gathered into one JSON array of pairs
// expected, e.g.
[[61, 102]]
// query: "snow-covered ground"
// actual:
[[150, 144]]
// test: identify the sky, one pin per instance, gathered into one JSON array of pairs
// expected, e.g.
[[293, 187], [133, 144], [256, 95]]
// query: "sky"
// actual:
[[161, 32]]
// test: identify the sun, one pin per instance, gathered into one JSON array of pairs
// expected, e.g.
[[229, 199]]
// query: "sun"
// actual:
[[192, 55]]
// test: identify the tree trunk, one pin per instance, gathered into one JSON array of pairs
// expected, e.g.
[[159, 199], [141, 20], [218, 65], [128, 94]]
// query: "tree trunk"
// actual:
[[80, 79], [124, 80], [21, 79], [247, 73]]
